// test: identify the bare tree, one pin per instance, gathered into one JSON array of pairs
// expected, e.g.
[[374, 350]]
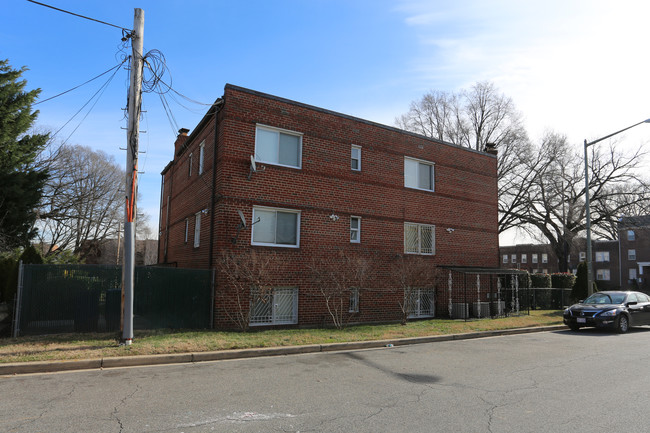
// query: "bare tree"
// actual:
[[414, 276], [82, 201], [474, 118], [249, 277], [554, 203], [339, 281]]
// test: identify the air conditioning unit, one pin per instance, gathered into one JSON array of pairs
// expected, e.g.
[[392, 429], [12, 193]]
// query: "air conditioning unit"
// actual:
[[481, 309], [498, 308], [459, 310]]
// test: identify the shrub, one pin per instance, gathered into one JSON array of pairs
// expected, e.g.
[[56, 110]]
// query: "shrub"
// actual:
[[579, 290], [562, 280], [541, 281]]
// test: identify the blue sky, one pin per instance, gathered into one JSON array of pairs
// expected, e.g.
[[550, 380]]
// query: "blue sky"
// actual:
[[576, 67]]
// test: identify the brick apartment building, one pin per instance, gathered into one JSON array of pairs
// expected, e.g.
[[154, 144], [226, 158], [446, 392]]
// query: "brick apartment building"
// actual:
[[311, 183], [618, 264]]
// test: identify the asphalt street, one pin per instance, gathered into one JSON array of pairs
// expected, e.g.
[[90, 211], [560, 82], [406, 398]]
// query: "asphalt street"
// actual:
[[586, 381]]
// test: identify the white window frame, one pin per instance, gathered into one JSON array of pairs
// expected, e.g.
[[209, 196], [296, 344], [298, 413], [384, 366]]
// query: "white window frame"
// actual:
[[505, 258], [354, 300], [513, 258], [201, 157], [279, 131], [583, 256], [274, 318], [419, 247], [544, 258], [355, 230], [197, 229], [534, 258], [603, 274], [409, 184], [274, 209], [631, 254], [187, 230], [355, 149], [602, 256], [524, 258], [416, 297], [631, 274], [631, 235]]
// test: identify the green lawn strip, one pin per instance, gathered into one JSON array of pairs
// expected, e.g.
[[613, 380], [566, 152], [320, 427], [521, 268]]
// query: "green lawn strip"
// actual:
[[92, 346]]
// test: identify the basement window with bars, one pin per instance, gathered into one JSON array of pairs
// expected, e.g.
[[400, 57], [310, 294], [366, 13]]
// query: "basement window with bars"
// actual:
[[354, 300], [275, 306], [420, 303], [419, 238]]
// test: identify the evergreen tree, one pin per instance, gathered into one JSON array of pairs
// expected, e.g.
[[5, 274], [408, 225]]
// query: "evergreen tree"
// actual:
[[579, 290], [22, 181]]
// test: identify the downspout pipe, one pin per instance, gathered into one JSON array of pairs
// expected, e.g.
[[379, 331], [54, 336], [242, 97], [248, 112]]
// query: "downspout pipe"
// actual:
[[218, 105]]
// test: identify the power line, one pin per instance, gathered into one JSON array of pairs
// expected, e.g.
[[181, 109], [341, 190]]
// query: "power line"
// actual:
[[99, 92], [82, 84], [81, 16]]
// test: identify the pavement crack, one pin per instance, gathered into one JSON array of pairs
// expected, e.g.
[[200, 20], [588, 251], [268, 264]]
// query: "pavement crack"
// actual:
[[116, 409]]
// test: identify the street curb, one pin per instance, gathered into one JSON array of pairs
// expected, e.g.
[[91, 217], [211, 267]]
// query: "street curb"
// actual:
[[16, 368]]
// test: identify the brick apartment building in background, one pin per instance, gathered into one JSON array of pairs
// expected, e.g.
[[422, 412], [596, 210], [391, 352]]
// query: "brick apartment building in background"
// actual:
[[311, 183], [618, 264]]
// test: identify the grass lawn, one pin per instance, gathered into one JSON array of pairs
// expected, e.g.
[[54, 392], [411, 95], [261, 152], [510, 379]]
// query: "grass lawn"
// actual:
[[93, 346]]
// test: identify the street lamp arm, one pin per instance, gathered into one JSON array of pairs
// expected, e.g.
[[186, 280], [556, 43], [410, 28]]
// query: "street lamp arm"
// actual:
[[587, 144]]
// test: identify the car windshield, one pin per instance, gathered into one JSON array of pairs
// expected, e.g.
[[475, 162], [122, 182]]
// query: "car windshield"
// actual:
[[605, 298]]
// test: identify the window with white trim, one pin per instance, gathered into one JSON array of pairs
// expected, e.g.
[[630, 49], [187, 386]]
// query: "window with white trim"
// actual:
[[189, 165], [544, 258], [420, 303], [631, 273], [356, 158], [187, 230], [602, 256], [276, 306], [418, 174], [354, 300], [201, 156], [419, 238], [524, 258], [602, 274], [630, 235], [534, 257], [197, 229], [513, 258], [276, 227], [583, 256], [505, 258], [278, 146], [355, 229], [631, 254]]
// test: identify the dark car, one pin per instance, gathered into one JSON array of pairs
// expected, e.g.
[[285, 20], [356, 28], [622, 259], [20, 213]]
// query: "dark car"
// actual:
[[612, 309]]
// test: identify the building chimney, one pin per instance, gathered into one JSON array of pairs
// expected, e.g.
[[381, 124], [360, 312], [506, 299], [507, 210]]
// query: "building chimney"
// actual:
[[180, 140], [490, 148]]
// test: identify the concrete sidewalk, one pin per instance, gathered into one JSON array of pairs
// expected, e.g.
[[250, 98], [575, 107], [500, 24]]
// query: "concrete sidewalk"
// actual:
[[178, 358]]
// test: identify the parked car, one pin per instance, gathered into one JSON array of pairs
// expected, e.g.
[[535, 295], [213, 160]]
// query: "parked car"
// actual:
[[612, 309]]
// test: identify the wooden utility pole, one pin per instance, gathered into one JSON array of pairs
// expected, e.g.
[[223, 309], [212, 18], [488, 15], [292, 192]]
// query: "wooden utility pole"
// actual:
[[132, 133]]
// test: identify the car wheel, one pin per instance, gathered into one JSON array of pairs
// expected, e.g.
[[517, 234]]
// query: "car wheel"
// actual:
[[574, 327], [622, 324]]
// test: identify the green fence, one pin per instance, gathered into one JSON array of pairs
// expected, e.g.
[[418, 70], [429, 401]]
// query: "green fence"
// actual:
[[87, 298]]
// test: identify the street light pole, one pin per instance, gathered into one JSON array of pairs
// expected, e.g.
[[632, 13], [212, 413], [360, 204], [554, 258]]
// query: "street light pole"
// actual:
[[590, 277]]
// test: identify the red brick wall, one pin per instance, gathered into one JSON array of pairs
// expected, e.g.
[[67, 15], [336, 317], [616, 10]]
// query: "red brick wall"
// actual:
[[465, 197]]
